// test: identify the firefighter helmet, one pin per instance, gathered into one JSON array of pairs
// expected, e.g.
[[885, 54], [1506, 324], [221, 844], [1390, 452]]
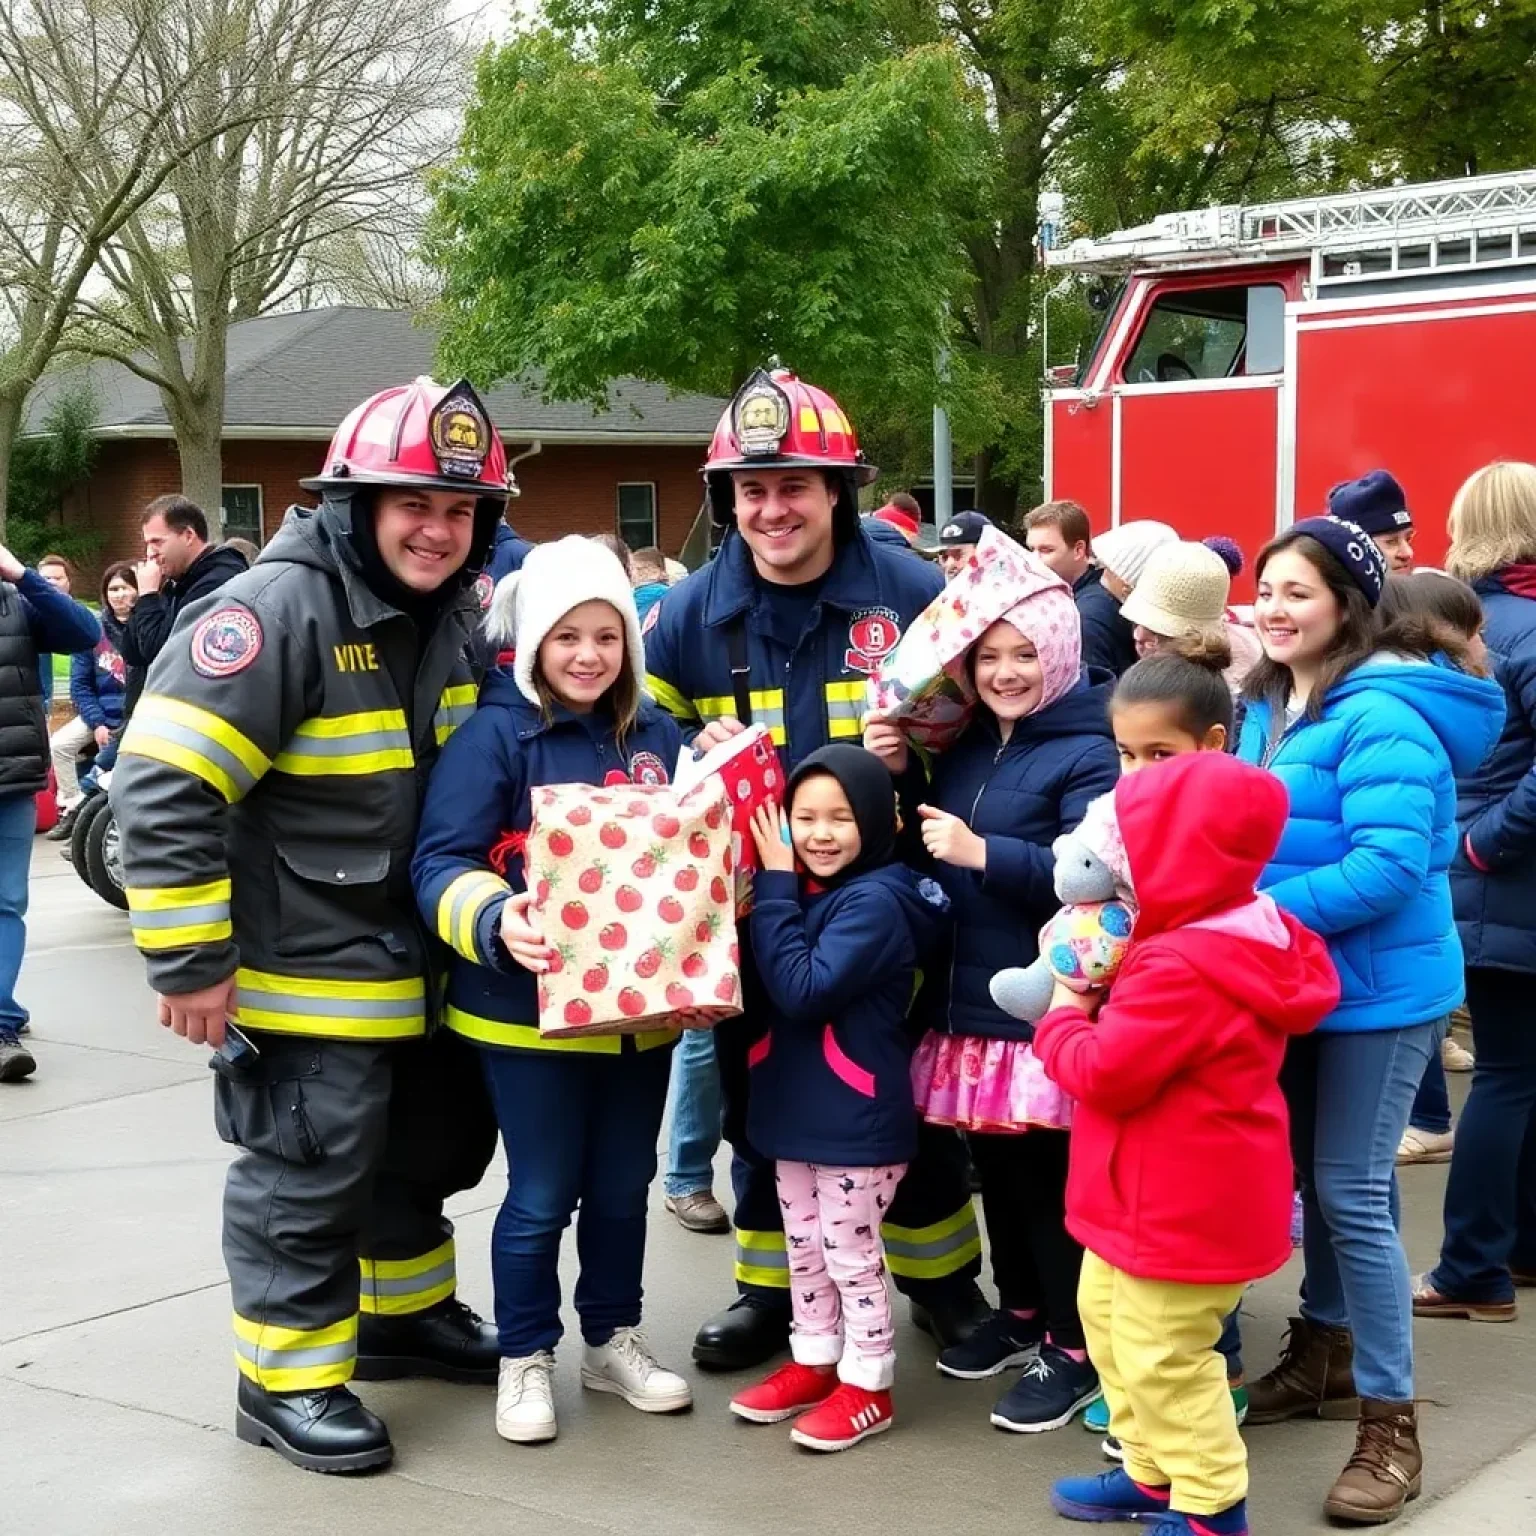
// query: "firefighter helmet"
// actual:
[[418, 434], [778, 421]]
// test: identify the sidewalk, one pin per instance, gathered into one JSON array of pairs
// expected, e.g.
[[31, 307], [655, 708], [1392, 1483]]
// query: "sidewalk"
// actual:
[[117, 1383]]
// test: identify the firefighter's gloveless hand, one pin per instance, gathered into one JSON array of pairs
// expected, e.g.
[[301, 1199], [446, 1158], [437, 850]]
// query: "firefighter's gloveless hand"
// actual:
[[199, 1015], [716, 732]]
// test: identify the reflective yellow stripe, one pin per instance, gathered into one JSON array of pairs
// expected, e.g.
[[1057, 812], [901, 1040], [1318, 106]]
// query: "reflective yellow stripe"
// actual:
[[767, 710], [668, 697], [843, 730], [460, 905], [296, 1359], [457, 693], [844, 692], [390, 1287], [183, 736], [454, 707], [761, 1259], [526, 1037], [845, 710], [930, 1253], [368, 741], [167, 917], [341, 1010]]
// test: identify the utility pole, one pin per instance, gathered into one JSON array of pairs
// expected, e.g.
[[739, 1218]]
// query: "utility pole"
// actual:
[[943, 457]]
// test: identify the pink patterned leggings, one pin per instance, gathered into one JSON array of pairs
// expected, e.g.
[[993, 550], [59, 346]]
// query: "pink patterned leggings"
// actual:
[[837, 1288]]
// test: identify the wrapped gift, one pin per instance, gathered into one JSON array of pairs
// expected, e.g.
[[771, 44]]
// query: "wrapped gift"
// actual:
[[633, 889], [747, 764], [922, 683]]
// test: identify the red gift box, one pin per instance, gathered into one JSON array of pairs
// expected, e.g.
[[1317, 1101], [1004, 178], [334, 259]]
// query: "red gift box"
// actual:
[[748, 767]]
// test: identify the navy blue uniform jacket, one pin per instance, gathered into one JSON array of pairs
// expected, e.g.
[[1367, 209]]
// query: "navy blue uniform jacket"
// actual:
[[478, 793], [831, 1079]]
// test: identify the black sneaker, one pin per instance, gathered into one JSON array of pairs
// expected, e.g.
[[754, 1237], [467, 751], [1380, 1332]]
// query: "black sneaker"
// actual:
[[1052, 1390], [1002, 1340], [16, 1061]]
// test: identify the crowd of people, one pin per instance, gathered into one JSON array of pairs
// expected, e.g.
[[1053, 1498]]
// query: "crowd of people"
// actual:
[[1319, 809]]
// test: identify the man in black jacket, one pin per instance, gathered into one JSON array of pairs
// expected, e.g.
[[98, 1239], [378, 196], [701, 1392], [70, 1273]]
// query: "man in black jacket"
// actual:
[[178, 568], [1059, 534]]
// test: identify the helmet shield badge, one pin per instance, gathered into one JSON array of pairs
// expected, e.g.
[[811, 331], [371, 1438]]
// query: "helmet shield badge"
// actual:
[[460, 433], [761, 412]]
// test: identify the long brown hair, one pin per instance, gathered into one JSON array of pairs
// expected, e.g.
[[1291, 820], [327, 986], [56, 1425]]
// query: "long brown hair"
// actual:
[[1427, 613], [1355, 641]]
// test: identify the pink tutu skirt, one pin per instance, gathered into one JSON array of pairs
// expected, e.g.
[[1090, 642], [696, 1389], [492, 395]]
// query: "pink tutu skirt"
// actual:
[[977, 1084]]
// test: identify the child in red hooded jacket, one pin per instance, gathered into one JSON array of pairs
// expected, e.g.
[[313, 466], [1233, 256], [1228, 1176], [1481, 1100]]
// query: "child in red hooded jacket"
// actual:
[[1180, 1178]]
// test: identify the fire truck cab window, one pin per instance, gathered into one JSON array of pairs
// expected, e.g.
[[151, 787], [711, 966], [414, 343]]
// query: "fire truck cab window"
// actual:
[[1210, 333]]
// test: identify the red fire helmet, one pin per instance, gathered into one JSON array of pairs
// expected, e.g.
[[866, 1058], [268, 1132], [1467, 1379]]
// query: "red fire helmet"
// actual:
[[421, 434], [778, 421]]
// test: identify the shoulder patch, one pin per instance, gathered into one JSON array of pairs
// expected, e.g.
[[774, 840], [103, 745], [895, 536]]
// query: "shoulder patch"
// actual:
[[483, 588], [226, 642], [652, 618], [647, 768], [872, 635]]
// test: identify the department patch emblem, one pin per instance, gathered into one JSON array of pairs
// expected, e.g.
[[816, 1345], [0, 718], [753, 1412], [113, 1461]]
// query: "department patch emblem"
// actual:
[[872, 636], [226, 642]]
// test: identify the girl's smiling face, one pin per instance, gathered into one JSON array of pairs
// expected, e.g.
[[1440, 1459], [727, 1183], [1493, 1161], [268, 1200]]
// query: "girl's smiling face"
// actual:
[[1296, 614], [822, 826], [1009, 678], [581, 657]]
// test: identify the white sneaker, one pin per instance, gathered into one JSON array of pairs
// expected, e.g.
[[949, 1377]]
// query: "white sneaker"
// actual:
[[525, 1399], [1455, 1057], [626, 1366], [1425, 1147]]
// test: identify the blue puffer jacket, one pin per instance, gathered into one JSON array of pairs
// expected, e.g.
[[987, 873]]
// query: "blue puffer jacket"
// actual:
[[1364, 857], [1496, 804], [831, 1079], [479, 793], [1020, 798]]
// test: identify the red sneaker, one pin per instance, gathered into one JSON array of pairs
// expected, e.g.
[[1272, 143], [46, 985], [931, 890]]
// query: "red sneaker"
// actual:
[[790, 1390], [849, 1415]]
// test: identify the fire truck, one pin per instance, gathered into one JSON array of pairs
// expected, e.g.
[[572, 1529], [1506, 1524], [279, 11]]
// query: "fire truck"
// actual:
[[1253, 357]]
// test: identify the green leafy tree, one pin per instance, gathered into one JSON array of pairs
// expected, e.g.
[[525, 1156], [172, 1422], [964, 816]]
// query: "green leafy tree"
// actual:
[[43, 469]]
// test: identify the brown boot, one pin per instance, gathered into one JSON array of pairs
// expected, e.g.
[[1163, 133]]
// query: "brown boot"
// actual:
[[1314, 1379], [1386, 1470]]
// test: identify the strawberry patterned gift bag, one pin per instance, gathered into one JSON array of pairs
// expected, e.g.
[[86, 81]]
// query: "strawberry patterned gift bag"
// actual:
[[747, 764], [922, 683], [633, 889]]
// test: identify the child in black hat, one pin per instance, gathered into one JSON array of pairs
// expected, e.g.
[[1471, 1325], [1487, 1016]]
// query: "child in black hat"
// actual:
[[831, 1100]]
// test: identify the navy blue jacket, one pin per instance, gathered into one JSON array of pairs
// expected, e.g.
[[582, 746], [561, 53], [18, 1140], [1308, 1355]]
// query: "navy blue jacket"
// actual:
[[808, 689], [831, 1079], [1108, 640], [98, 679], [478, 793], [1020, 798], [507, 553], [1496, 803]]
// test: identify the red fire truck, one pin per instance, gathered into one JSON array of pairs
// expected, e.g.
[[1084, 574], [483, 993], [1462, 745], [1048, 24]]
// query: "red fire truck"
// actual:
[[1252, 357]]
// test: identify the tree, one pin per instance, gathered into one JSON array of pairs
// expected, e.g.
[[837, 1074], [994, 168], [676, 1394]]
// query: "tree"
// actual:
[[68, 87], [687, 224], [43, 469], [310, 124]]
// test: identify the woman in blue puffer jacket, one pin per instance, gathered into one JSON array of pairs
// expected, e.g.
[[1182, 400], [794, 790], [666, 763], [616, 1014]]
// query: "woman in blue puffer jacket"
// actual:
[[1490, 1199], [1367, 743]]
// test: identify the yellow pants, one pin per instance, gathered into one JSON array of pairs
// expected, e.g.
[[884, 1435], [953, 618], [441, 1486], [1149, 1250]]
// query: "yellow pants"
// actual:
[[1153, 1343]]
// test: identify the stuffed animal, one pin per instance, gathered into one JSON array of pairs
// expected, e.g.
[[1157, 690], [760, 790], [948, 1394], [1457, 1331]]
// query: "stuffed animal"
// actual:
[[1083, 944]]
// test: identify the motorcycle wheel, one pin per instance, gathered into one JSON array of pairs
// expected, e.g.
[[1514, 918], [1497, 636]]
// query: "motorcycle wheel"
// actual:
[[103, 860], [88, 813]]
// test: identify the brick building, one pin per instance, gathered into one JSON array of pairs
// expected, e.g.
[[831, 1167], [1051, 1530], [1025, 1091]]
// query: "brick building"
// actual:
[[632, 468]]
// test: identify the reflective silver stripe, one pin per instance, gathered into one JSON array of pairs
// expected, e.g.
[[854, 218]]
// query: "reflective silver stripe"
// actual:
[[453, 716], [266, 1359], [956, 1240], [334, 1007], [475, 894], [844, 709], [182, 917], [186, 736], [762, 1258], [347, 746], [410, 1285]]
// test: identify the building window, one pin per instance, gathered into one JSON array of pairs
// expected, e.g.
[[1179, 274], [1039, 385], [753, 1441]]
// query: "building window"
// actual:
[[637, 513], [240, 512], [1210, 333]]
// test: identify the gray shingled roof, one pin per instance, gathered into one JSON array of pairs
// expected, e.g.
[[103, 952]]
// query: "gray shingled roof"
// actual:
[[299, 374]]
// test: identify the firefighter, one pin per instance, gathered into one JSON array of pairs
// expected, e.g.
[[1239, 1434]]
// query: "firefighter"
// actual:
[[781, 628], [267, 791]]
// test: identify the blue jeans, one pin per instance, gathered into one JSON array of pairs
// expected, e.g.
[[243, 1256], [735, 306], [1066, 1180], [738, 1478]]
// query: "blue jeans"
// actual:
[[1490, 1199], [1432, 1103], [695, 1136], [1230, 1345], [580, 1128], [18, 822], [1349, 1096]]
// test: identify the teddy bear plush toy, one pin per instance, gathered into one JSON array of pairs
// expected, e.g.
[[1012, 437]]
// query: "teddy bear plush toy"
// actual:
[[1083, 944]]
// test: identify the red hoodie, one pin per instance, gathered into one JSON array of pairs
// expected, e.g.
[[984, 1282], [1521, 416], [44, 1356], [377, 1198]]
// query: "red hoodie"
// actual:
[[1181, 1160]]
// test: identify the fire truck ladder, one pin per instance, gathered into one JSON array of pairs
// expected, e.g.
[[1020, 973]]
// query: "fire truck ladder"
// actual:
[[1479, 221]]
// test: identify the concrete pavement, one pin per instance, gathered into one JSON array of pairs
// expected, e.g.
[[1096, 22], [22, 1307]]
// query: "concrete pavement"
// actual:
[[116, 1378]]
